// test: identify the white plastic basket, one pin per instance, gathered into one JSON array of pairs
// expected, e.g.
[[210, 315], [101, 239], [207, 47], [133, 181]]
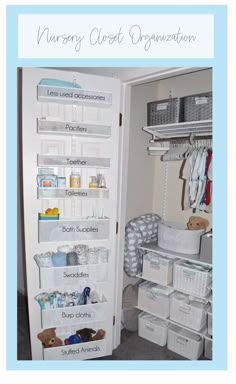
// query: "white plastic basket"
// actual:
[[208, 349], [191, 313], [184, 342], [192, 278], [154, 298], [158, 269], [152, 329], [209, 323], [177, 238]]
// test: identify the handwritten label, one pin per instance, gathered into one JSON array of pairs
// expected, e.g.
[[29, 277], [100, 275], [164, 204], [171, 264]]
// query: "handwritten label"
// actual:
[[130, 36]]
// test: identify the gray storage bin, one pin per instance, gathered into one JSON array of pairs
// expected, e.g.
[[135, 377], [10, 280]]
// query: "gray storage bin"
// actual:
[[198, 107], [206, 247], [166, 111]]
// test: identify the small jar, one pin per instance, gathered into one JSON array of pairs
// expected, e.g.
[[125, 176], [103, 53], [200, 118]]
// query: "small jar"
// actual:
[[75, 179], [93, 182]]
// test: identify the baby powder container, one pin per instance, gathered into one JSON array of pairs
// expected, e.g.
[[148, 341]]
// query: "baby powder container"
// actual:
[[176, 237], [75, 179]]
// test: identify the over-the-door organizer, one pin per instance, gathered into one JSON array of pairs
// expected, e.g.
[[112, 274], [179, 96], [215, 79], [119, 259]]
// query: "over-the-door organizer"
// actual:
[[75, 251]]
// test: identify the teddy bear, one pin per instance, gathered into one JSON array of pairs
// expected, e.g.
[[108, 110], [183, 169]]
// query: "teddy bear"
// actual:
[[99, 335], [197, 222], [49, 339], [86, 334]]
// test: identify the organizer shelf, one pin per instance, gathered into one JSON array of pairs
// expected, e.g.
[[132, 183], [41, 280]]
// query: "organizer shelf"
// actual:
[[72, 230], [73, 193], [73, 275], [72, 161], [90, 350], [203, 332], [79, 314], [180, 130], [72, 128]]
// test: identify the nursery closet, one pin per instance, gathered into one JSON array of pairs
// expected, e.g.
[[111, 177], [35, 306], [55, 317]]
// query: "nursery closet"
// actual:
[[156, 186], [88, 136]]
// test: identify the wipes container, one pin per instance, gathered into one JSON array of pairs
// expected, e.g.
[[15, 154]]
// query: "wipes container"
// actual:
[[176, 237]]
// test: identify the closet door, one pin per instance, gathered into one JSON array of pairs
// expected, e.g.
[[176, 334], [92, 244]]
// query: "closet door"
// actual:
[[69, 128]]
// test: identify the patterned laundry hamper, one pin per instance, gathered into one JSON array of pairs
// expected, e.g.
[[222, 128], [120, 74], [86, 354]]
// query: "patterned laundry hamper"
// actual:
[[142, 229]]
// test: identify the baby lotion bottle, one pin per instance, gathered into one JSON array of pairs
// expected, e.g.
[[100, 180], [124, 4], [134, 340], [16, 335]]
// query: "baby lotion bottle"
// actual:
[[75, 179], [93, 183]]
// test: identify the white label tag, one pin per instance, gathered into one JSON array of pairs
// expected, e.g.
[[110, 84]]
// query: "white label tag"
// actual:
[[201, 100], [162, 106]]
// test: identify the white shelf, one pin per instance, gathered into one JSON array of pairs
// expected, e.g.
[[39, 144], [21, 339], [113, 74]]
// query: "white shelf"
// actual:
[[178, 130], [73, 193], [202, 332], [207, 297], [154, 248]]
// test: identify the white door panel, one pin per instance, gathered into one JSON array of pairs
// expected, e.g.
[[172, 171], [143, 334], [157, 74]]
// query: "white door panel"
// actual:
[[72, 210]]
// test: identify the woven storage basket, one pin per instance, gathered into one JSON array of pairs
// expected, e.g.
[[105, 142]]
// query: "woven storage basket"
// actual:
[[192, 278], [209, 323], [185, 343], [166, 111], [153, 329], [208, 349], [158, 269], [198, 107], [191, 313]]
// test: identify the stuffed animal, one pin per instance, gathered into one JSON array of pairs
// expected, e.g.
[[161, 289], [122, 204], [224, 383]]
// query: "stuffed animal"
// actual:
[[86, 334], [73, 339], [49, 339], [197, 222], [99, 335]]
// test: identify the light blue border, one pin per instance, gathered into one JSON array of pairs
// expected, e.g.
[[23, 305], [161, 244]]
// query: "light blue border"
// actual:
[[219, 63]]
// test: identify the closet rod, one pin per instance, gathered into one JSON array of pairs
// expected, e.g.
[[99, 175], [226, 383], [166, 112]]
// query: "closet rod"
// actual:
[[197, 137]]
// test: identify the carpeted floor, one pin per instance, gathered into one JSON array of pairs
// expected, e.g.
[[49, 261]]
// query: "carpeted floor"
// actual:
[[132, 346]]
